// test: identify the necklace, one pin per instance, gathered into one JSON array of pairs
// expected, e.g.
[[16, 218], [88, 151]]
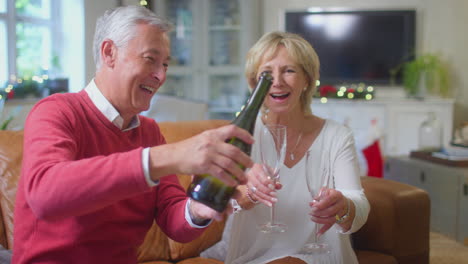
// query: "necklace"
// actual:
[[291, 152]]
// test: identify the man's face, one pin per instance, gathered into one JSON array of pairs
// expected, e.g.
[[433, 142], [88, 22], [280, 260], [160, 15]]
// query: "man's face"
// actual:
[[139, 70]]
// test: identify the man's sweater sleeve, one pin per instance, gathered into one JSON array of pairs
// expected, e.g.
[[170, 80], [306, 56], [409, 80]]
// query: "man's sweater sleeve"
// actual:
[[170, 215]]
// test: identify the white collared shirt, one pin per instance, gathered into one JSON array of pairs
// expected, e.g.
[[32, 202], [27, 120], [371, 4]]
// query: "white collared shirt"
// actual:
[[109, 111]]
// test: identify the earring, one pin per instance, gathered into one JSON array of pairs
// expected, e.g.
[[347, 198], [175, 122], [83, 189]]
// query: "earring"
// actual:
[[305, 88]]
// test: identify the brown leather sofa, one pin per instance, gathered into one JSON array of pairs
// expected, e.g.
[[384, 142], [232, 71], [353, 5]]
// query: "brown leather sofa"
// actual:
[[397, 230]]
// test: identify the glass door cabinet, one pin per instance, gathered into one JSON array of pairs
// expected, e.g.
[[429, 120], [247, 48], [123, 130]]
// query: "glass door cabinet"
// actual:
[[208, 47]]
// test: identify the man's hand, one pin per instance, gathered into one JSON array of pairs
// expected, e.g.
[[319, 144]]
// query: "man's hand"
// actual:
[[201, 213], [205, 153]]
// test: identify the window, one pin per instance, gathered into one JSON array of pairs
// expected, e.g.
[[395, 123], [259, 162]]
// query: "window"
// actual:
[[28, 38], [3, 53]]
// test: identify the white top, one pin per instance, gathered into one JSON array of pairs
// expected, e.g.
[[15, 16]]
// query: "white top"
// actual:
[[333, 147]]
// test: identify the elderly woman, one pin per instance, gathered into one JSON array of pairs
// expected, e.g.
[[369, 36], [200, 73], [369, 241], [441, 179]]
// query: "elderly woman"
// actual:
[[294, 65]]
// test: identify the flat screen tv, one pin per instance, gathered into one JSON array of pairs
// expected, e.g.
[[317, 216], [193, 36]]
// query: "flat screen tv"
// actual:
[[357, 46]]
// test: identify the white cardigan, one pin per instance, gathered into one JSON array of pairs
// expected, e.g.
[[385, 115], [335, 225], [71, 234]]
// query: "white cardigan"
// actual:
[[334, 147]]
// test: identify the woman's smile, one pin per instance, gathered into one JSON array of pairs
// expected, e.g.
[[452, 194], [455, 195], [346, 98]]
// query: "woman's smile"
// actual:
[[279, 97]]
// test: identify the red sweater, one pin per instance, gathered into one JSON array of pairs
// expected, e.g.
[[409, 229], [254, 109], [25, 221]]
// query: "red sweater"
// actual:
[[82, 196]]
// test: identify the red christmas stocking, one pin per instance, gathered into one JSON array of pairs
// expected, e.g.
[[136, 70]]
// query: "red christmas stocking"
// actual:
[[374, 159]]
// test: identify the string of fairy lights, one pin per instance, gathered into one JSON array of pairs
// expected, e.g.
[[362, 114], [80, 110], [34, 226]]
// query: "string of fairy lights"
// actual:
[[15, 83], [144, 3], [350, 92]]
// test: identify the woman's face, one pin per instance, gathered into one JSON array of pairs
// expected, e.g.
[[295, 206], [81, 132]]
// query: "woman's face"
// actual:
[[140, 69], [289, 81]]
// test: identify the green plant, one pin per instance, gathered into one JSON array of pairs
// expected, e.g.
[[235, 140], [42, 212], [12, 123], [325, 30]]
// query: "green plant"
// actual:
[[428, 72], [5, 123]]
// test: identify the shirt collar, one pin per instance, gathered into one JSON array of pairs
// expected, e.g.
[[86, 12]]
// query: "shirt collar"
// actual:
[[107, 109]]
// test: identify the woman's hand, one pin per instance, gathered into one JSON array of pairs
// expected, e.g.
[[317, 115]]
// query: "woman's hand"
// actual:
[[324, 210], [260, 187]]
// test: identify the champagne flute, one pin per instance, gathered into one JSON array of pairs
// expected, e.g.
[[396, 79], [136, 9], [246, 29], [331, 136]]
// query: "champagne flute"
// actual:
[[272, 146], [317, 185]]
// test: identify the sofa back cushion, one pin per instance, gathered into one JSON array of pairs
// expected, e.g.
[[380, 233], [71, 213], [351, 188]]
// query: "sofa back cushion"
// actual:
[[173, 132], [11, 154]]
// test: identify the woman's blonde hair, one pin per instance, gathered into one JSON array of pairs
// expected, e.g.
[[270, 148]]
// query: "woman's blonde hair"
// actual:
[[300, 51]]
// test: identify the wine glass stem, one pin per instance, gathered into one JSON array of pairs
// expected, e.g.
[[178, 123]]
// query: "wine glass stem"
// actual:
[[316, 236], [273, 211], [272, 214]]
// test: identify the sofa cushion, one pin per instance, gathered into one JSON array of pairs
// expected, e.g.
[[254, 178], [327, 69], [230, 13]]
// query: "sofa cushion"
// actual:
[[155, 246], [287, 260], [11, 152], [372, 257], [176, 131], [200, 261], [155, 262], [211, 235]]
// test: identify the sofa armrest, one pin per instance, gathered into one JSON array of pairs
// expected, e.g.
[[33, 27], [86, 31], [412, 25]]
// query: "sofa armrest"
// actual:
[[398, 222]]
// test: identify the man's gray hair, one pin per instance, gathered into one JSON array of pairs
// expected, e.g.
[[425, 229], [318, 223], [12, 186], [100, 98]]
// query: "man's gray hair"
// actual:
[[118, 24]]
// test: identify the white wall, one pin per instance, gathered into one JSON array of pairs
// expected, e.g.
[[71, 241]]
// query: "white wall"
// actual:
[[93, 10], [441, 28], [73, 52], [457, 48]]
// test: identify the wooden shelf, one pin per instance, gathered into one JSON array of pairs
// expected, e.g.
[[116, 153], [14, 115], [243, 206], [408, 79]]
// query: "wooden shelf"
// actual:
[[425, 155]]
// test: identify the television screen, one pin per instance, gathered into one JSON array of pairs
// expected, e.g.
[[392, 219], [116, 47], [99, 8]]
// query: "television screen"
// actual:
[[357, 46]]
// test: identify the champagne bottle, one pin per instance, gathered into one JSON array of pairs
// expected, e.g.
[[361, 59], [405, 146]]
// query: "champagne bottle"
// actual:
[[210, 190]]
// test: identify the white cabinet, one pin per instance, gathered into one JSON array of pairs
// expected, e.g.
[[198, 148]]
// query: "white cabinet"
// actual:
[[399, 119], [447, 187], [208, 47], [462, 236]]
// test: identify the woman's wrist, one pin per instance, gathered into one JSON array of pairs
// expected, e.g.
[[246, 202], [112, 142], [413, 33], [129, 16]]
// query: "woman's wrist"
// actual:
[[246, 200], [249, 196]]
